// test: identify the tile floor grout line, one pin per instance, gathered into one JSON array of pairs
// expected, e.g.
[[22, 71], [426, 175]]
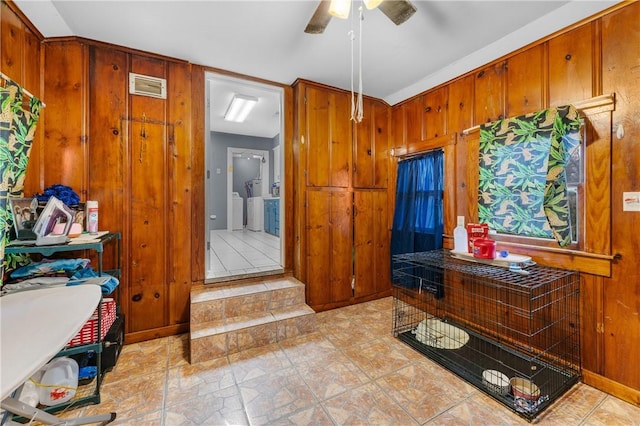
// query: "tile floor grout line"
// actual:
[[133, 363], [166, 383], [398, 403], [237, 246], [593, 410]]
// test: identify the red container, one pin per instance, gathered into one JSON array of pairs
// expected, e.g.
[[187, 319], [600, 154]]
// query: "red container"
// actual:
[[484, 248], [89, 331], [476, 230]]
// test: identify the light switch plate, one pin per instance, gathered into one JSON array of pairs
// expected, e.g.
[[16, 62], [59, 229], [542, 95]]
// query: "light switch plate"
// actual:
[[631, 201]]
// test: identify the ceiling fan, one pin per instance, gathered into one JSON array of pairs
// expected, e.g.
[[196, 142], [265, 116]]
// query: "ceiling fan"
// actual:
[[396, 10]]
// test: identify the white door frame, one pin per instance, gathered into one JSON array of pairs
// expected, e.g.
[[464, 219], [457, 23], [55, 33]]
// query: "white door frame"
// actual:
[[265, 171]]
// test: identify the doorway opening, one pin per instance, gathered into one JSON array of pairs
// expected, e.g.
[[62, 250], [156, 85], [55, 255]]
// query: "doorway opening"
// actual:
[[242, 189]]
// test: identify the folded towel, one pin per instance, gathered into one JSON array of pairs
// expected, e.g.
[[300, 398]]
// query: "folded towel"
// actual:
[[84, 275], [49, 266]]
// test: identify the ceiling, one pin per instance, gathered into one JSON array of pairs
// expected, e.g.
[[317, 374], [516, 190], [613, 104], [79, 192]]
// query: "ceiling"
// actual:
[[265, 119], [266, 39]]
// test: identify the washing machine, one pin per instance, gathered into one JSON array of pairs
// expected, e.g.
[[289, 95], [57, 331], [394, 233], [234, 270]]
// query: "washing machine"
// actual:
[[238, 212]]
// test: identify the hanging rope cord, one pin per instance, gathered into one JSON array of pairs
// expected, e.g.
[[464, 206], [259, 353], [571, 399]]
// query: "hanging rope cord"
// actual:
[[356, 104]]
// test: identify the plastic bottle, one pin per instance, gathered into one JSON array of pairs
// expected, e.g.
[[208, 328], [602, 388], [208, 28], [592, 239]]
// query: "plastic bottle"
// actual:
[[59, 382], [29, 392], [460, 242], [92, 217]]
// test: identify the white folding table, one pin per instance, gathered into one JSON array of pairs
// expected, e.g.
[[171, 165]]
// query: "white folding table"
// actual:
[[34, 326]]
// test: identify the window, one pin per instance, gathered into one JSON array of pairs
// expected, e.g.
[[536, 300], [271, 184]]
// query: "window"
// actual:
[[531, 174], [575, 192]]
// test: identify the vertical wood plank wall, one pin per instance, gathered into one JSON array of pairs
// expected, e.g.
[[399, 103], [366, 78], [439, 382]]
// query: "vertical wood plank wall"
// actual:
[[91, 128], [20, 58], [596, 58]]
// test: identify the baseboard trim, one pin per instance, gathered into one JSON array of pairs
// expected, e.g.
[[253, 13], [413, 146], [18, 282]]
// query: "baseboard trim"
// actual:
[[352, 301], [611, 387], [156, 333]]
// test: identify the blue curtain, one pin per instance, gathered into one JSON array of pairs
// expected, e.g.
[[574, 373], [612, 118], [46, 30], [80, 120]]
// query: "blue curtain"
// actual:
[[418, 215]]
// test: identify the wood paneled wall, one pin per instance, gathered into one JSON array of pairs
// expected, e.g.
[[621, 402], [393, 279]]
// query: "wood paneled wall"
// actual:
[[133, 154], [20, 60], [597, 57], [92, 128]]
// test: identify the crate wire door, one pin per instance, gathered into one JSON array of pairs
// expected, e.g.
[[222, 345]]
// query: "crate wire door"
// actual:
[[474, 319]]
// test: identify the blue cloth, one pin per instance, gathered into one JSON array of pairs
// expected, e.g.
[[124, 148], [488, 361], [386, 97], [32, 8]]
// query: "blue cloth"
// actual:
[[48, 266], [107, 287], [63, 193], [418, 216]]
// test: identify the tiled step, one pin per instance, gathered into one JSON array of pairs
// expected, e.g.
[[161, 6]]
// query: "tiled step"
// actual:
[[237, 317]]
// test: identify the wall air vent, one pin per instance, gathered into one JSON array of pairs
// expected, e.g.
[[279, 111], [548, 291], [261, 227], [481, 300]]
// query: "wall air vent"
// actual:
[[145, 85]]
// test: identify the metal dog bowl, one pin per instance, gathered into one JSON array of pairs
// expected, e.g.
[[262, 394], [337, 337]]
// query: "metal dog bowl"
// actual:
[[524, 388], [496, 382]]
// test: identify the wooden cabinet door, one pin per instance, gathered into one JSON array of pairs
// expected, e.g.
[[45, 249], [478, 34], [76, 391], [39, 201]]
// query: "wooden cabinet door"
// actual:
[[571, 66], [435, 113], [363, 148], [328, 137], [370, 147], [489, 94], [381, 145], [371, 243], [524, 82], [329, 247]]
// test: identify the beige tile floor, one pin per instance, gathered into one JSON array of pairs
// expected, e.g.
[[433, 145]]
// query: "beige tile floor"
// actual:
[[351, 372]]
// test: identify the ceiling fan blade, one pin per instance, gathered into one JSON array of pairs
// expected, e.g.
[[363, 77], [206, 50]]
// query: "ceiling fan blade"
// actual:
[[320, 18], [397, 10]]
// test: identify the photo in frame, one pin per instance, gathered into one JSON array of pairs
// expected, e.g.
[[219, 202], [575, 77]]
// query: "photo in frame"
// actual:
[[25, 214]]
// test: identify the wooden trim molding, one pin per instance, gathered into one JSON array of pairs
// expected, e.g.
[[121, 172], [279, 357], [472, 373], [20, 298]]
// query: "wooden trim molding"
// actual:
[[597, 104], [589, 106], [423, 146], [156, 333], [27, 23], [590, 263], [611, 387]]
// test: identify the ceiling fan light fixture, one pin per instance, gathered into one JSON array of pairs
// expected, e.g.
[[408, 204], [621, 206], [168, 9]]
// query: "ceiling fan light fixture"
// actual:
[[372, 4], [340, 8], [240, 107]]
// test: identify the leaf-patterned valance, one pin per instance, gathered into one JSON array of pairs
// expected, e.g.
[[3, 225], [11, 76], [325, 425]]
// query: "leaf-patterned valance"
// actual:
[[17, 130], [522, 186]]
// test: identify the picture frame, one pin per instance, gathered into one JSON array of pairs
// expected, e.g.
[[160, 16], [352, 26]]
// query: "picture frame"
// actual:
[[24, 216]]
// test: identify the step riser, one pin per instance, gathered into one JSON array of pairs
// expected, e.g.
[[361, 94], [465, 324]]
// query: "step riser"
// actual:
[[225, 343], [218, 309], [226, 320]]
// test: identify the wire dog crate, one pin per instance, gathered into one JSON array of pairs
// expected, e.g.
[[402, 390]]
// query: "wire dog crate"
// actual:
[[514, 336]]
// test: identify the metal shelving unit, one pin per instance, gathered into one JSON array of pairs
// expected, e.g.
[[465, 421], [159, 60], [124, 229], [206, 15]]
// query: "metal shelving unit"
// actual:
[[98, 246]]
